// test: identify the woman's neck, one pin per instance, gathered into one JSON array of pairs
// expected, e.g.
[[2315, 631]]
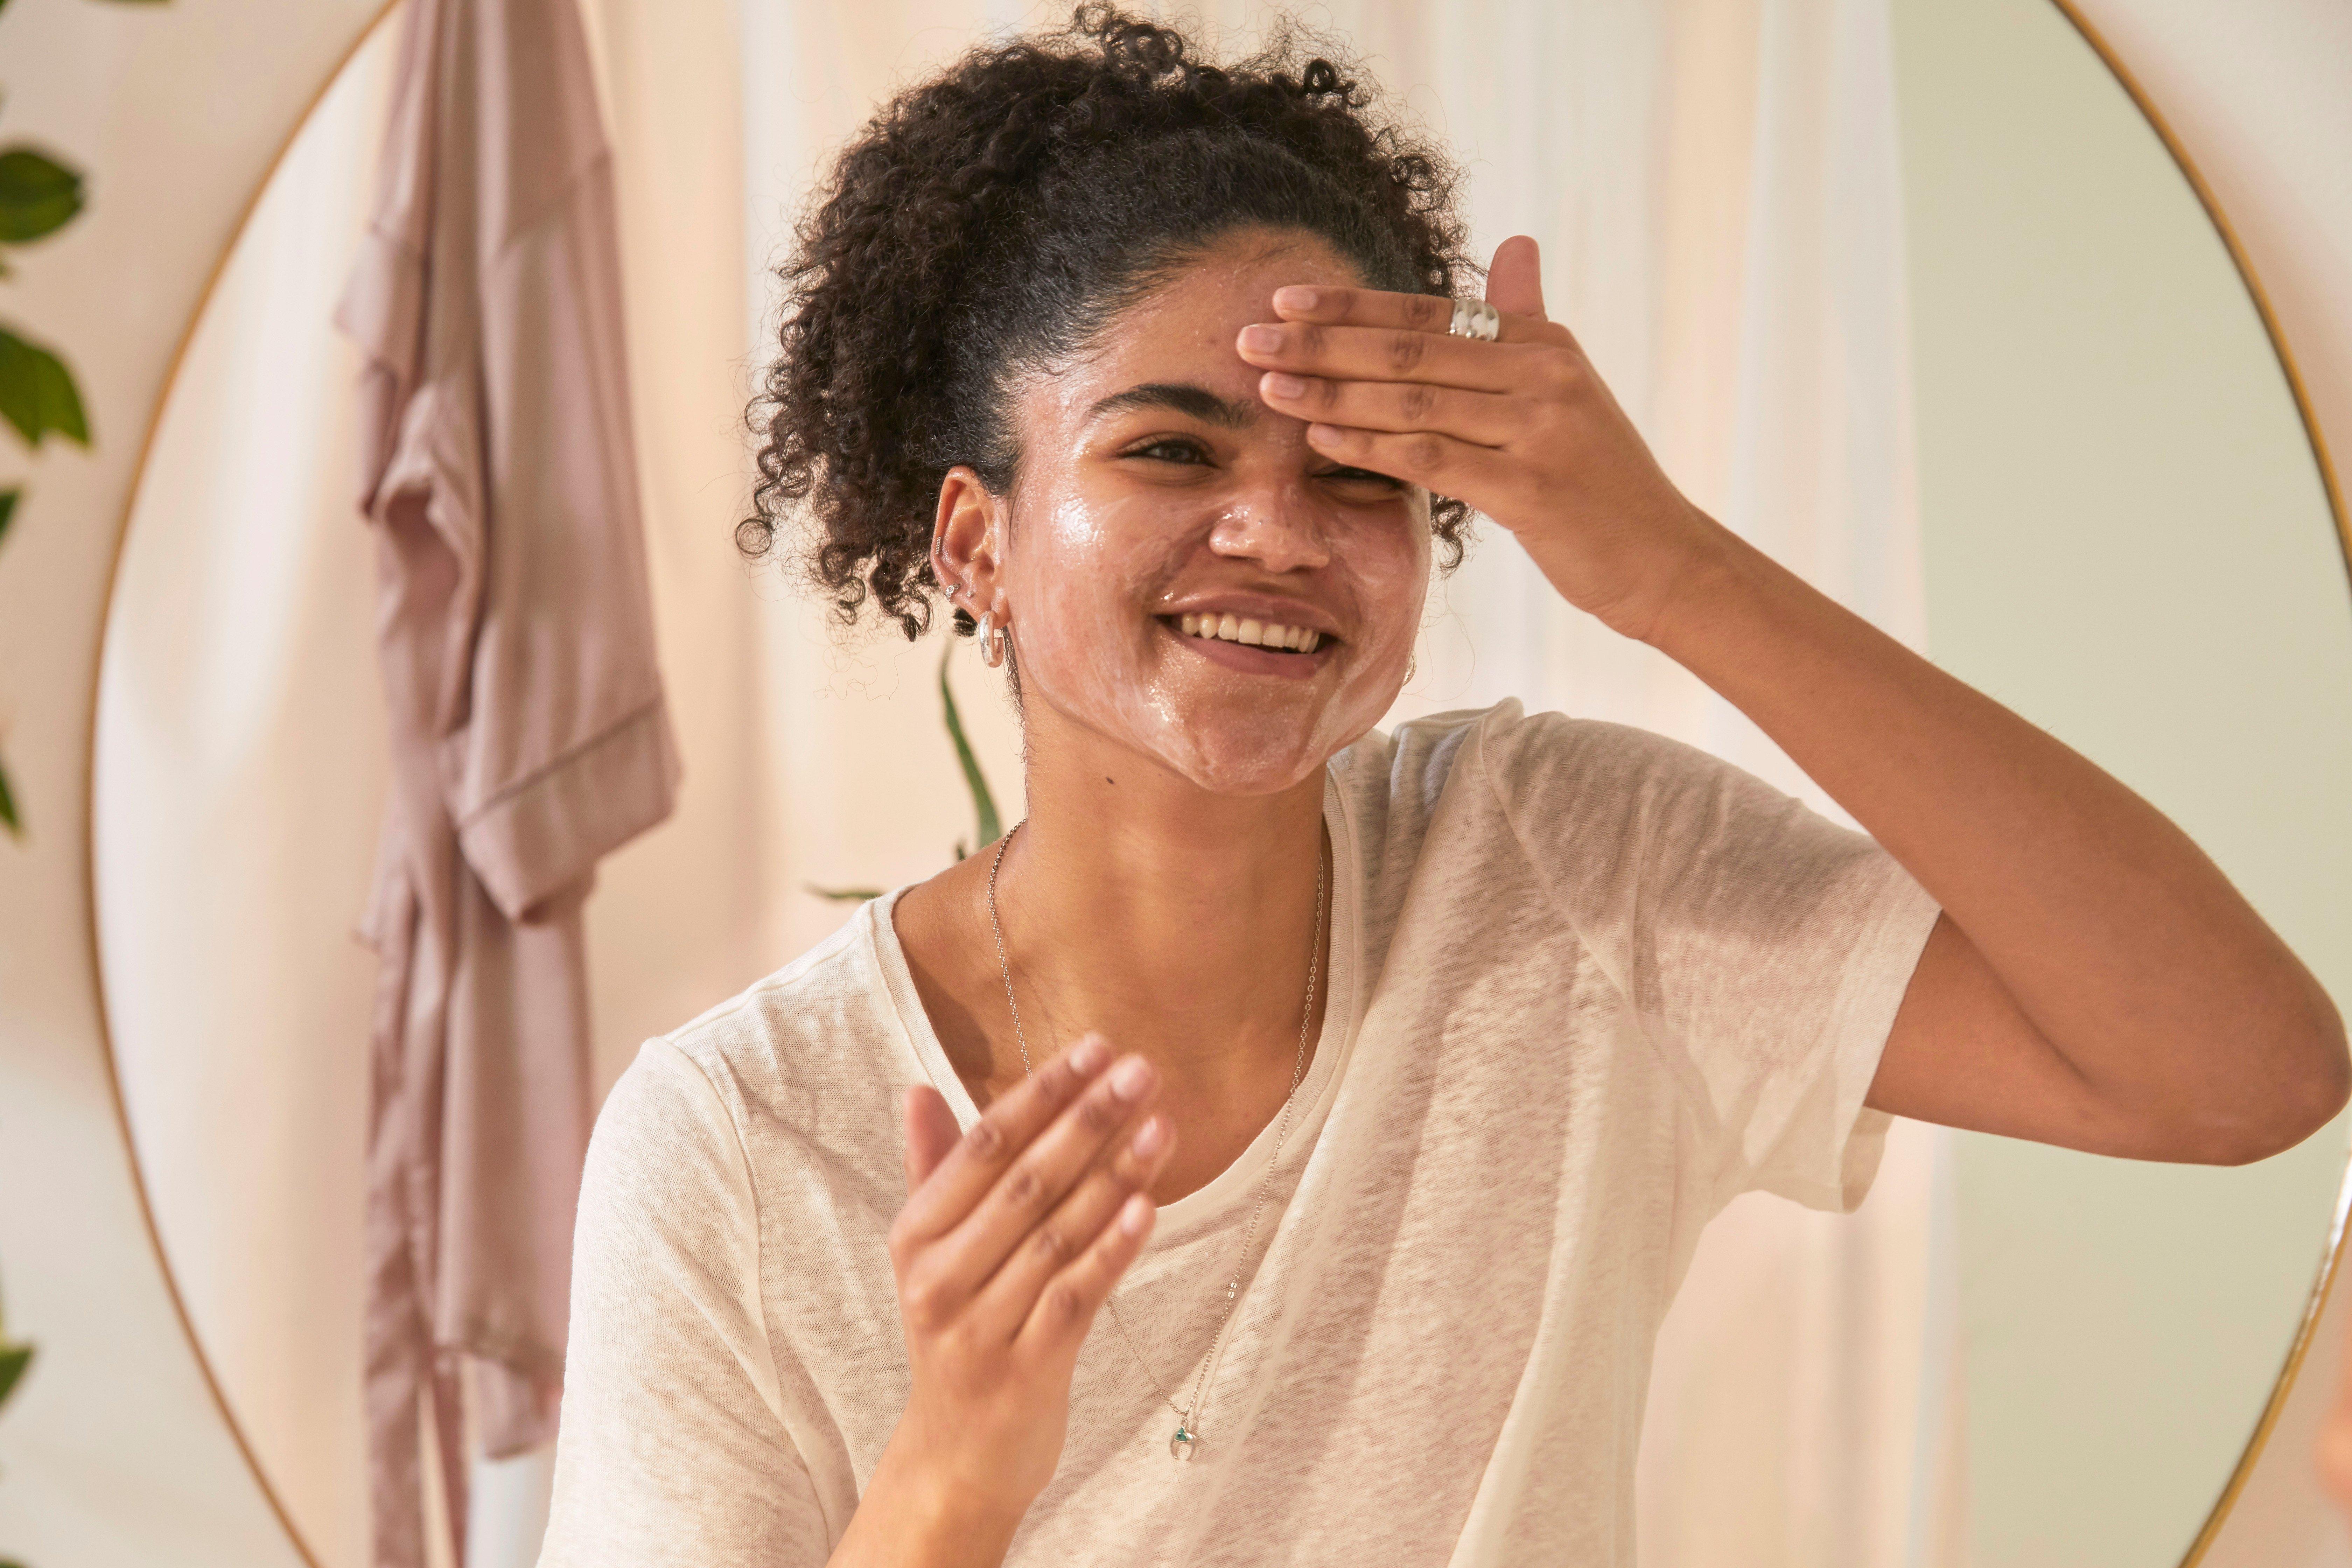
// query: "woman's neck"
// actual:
[[1174, 921], [1155, 909]]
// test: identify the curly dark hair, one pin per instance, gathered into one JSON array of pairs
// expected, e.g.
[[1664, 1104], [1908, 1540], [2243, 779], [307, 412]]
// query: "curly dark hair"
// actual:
[[988, 221]]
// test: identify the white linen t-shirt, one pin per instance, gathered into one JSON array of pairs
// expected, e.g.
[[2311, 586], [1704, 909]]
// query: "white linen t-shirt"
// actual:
[[1587, 984]]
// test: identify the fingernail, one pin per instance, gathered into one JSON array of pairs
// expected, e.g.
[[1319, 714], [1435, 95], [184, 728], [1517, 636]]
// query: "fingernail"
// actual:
[[1323, 435], [1150, 1137], [1136, 1215], [1295, 297], [1131, 1077], [1261, 339], [1088, 1055], [1282, 385]]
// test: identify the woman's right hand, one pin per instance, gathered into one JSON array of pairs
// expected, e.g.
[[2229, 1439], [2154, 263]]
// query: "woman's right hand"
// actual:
[[1010, 1239]]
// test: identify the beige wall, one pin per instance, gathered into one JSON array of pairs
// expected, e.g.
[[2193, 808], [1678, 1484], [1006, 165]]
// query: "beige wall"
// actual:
[[2126, 542]]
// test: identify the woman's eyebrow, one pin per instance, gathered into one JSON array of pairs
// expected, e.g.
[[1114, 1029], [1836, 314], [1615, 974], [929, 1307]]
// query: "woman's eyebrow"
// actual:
[[1182, 396]]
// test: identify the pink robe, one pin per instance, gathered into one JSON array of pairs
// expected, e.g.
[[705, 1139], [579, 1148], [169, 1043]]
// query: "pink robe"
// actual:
[[529, 734]]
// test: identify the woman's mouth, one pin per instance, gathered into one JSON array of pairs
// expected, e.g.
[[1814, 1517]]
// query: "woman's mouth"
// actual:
[[1269, 635], [1252, 646]]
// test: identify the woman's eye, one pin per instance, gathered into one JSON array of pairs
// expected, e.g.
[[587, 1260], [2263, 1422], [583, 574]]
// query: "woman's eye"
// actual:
[[1364, 476], [1170, 452]]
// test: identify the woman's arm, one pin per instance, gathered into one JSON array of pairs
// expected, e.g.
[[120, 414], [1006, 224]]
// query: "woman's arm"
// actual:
[[2094, 982], [672, 1449]]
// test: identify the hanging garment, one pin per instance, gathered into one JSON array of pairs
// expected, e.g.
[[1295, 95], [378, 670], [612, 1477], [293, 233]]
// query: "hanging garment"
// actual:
[[529, 730]]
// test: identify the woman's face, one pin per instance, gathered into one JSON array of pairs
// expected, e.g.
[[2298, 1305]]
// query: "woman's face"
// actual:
[[1157, 492]]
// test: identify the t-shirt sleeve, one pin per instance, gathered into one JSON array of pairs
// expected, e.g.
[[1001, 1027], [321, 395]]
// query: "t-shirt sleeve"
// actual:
[[672, 1447], [1764, 949]]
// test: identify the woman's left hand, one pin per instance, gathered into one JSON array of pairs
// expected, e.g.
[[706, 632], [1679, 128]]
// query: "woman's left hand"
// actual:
[[1521, 428]]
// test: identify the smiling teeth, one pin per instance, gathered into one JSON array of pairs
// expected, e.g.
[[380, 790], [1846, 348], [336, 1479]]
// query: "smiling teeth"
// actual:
[[1255, 634]]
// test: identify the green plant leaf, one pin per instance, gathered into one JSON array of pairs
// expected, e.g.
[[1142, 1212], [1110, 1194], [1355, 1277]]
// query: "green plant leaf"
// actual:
[[38, 195], [8, 498], [36, 393], [843, 895], [14, 1360], [8, 818], [983, 804]]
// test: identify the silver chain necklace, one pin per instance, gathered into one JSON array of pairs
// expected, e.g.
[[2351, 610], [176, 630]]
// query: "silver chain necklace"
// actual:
[[1186, 1441]]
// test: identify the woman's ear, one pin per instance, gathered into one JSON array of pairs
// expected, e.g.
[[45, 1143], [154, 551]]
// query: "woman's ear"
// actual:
[[967, 544]]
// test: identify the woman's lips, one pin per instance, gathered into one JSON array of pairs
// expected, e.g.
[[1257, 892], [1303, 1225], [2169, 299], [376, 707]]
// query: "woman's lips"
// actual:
[[1244, 657]]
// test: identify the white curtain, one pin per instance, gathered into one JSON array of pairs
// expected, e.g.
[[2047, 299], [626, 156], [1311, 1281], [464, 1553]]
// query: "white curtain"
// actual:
[[1714, 184]]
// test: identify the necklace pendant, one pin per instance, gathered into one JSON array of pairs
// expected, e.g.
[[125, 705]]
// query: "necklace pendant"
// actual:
[[1182, 1443]]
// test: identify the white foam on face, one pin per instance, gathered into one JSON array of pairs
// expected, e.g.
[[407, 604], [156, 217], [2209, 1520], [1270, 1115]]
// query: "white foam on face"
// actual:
[[1101, 545]]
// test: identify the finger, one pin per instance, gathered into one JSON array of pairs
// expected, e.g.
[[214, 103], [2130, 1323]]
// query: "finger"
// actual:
[[1514, 281], [1129, 1166], [1487, 418], [1065, 1308], [1324, 305], [1385, 353], [1438, 463], [952, 1270], [990, 1144], [931, 1132]]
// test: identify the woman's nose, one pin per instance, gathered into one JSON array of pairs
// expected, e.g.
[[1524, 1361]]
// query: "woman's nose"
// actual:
[[1279, 526]]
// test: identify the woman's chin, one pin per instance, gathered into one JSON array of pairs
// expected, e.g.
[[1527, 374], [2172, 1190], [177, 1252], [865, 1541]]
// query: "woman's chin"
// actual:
[[1254, 764], [1260, 747], [1264, 740], [1248, 780]]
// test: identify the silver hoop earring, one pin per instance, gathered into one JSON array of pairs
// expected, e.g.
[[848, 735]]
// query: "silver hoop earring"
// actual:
[[991, 642]]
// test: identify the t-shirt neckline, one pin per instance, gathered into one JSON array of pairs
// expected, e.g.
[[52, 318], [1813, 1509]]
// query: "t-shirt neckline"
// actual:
[[1238, 1181]]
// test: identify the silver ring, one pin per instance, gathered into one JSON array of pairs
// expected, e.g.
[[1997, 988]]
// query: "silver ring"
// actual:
[[1475, 319]]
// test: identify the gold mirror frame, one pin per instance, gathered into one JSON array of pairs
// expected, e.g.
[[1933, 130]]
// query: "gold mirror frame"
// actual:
[[2332, 1260]]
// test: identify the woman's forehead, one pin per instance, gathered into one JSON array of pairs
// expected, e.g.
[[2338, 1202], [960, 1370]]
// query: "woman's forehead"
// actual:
[[1175, 346], [1227, 287]]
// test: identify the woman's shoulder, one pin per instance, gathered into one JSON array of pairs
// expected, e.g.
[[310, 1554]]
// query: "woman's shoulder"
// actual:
[[1550, 760], [780, 1048]]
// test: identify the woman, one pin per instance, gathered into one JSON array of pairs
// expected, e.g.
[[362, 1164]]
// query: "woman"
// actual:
[[1283, 1146]]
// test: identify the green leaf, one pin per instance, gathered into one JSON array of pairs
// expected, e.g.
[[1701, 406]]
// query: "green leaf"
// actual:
[[983, 804], [843, 895], [14, 1360], [36, 393], [8, 498], [8, 818], [38, 195]]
